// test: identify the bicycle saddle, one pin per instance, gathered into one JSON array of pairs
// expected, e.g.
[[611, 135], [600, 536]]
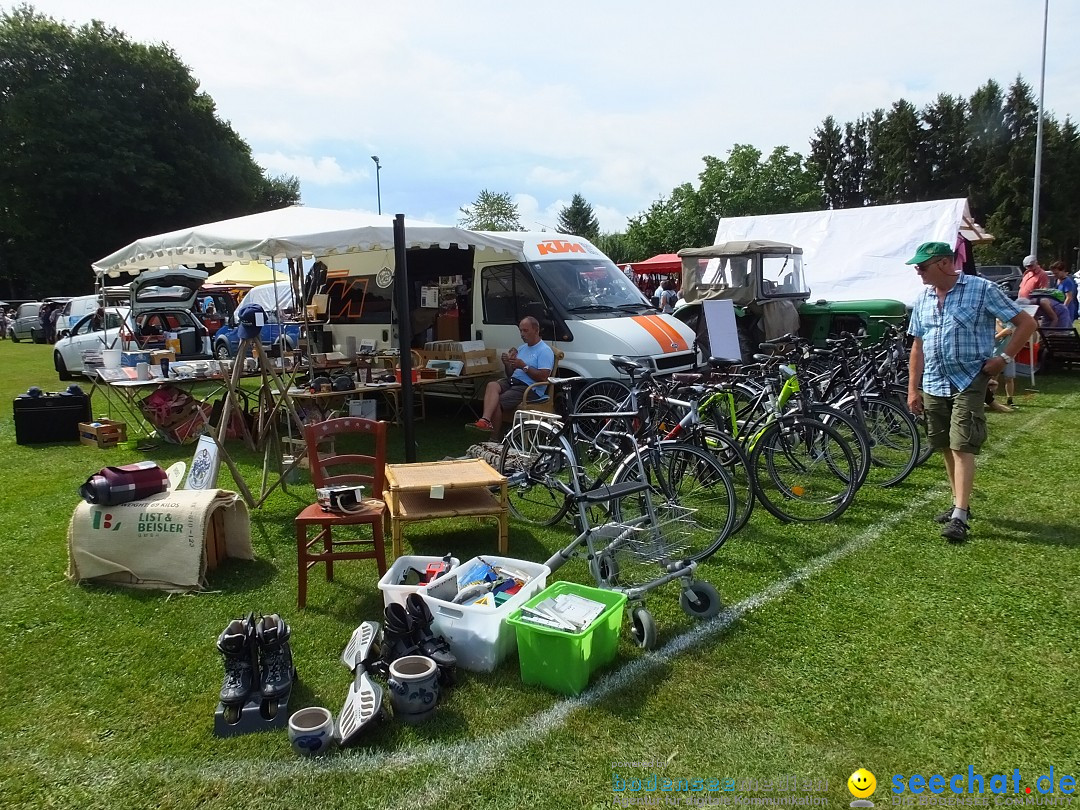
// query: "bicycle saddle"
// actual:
[[724, 361], [626, 365]]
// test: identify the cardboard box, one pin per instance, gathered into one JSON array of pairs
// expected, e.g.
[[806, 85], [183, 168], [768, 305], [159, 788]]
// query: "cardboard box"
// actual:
[[482, 361], [161, 354], [133, 359], [447, 327], [103, 433]]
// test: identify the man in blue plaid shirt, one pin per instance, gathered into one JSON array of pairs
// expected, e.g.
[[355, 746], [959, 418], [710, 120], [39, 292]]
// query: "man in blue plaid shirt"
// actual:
[[953, 359]]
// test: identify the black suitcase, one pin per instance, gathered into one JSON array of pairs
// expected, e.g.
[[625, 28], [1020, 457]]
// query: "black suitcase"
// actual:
[[50, 417]]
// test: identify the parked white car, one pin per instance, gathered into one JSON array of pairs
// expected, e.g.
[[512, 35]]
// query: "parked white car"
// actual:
[[161, 302]]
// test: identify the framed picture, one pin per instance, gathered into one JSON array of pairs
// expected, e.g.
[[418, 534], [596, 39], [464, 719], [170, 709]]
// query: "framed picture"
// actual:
[[203, 472]]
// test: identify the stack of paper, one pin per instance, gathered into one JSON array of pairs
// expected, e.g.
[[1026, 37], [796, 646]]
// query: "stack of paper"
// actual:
[[567, 611]]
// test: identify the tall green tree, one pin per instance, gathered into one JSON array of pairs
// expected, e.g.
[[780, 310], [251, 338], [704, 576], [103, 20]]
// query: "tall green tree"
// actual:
[[578, 219], [1010, 221], [853, 167], [946, 158], [102, 141], [492, 211], [826, 160], [898, 152], [988, 145]]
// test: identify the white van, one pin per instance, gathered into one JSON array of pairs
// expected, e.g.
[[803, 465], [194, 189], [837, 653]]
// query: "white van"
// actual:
[[80, 306], [586, 305]]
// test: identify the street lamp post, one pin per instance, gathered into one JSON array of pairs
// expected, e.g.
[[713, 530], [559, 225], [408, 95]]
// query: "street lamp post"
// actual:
[[378, 187], [1039, 141]]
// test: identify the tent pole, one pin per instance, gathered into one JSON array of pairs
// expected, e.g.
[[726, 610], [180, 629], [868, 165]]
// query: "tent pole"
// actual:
[[401, 297]]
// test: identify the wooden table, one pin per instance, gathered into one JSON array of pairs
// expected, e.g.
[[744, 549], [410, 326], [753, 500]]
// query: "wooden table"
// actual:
[[467, 492]]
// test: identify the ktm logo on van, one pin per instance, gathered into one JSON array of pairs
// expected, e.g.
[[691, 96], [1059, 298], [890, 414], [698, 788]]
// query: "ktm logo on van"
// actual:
[[559, 246]]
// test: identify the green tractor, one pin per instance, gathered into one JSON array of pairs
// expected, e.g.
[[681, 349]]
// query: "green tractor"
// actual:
[[764, 280]]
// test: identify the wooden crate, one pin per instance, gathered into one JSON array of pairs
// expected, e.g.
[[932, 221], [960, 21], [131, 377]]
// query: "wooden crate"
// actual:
[[103, 433]]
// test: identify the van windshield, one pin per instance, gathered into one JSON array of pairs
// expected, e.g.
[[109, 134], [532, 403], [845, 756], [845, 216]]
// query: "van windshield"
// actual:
[[585, 286]]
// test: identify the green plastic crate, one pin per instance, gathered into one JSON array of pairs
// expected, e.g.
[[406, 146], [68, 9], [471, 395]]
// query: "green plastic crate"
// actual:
[[564, 661]]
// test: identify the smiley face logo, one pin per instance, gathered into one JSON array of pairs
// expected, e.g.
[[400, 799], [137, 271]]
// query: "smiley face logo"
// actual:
[[862, 783]]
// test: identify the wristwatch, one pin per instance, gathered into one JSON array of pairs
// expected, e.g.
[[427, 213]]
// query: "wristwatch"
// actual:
[[1006, 357]]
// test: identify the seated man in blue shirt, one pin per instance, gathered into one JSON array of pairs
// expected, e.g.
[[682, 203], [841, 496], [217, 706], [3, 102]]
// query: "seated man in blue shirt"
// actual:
[[530, 362], [952, 361]]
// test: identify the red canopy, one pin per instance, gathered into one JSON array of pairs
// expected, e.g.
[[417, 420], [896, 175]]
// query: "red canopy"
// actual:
[[662, 263]]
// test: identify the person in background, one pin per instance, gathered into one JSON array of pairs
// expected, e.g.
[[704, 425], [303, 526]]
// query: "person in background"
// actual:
[[530, 362], [97, 323], [1067, 284], [1051, 312], [1004, 332], [54, 316], [952, 361], [668, 297], [1034, 277]]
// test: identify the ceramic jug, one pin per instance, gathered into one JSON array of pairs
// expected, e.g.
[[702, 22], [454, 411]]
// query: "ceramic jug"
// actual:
[[414, 688], [311, 730]]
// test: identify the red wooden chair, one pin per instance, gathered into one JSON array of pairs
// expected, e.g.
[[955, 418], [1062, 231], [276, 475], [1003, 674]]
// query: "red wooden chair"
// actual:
[[368, 470]]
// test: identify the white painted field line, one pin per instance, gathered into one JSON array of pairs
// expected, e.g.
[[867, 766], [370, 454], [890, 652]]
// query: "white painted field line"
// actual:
[[461, 759]]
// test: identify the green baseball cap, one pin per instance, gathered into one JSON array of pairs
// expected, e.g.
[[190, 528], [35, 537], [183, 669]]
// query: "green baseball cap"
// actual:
[[931, 250]]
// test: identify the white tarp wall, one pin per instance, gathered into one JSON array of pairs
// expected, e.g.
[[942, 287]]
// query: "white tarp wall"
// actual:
[[850, 254]]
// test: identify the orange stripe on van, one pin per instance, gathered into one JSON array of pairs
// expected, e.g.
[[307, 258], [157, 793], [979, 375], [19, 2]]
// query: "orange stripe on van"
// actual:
[[663, 333]]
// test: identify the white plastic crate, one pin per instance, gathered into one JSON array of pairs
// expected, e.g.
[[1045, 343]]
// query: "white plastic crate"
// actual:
[[390, 584], [479, 636]]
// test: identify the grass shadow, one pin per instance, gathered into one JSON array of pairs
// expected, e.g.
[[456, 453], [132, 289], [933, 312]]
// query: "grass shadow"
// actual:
[[1038, 533]]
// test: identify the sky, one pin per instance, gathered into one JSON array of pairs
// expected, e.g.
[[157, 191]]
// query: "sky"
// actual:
[[616, 101]]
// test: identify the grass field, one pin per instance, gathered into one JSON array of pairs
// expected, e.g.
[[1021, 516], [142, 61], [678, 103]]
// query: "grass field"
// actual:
[[869, 642]]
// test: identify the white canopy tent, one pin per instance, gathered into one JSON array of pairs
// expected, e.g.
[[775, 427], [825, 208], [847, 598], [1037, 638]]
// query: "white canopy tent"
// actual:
[[859, 253], [286, 233]]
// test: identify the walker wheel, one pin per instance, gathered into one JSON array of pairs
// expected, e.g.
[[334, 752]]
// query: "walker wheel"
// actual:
[[643, 627], [700, 600]]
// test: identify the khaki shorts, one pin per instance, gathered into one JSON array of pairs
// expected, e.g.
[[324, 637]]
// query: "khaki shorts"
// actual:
[[958, 422]]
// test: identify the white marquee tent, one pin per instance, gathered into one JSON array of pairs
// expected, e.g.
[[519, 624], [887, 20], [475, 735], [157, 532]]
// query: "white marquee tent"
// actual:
[[286, 233]]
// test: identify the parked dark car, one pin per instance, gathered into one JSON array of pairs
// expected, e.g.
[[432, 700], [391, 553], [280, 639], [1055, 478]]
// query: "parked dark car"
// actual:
[[1006, 276]]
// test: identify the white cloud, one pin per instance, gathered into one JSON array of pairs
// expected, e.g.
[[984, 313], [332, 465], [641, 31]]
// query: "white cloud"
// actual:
[[324, 171], [543, 176]]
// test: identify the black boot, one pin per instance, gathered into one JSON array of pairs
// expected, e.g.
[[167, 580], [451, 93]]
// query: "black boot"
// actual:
[[275, 656], [399, 634], [433, 646], [237, 646]]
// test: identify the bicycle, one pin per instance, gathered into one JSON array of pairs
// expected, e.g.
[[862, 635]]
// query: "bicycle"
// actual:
[[680, 475]]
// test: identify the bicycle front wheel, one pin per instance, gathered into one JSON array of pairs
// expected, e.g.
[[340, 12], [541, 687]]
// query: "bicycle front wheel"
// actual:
[[539, 463], [691, 496], [894, 441], [804, 470]]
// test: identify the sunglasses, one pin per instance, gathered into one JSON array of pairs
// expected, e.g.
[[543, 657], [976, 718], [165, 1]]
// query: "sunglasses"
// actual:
[[922, 266]]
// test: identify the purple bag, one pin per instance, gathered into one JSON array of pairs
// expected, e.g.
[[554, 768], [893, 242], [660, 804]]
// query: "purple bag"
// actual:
[[131, 482]]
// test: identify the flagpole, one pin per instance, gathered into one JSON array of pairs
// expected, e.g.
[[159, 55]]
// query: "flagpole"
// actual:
[[1039, 142]]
